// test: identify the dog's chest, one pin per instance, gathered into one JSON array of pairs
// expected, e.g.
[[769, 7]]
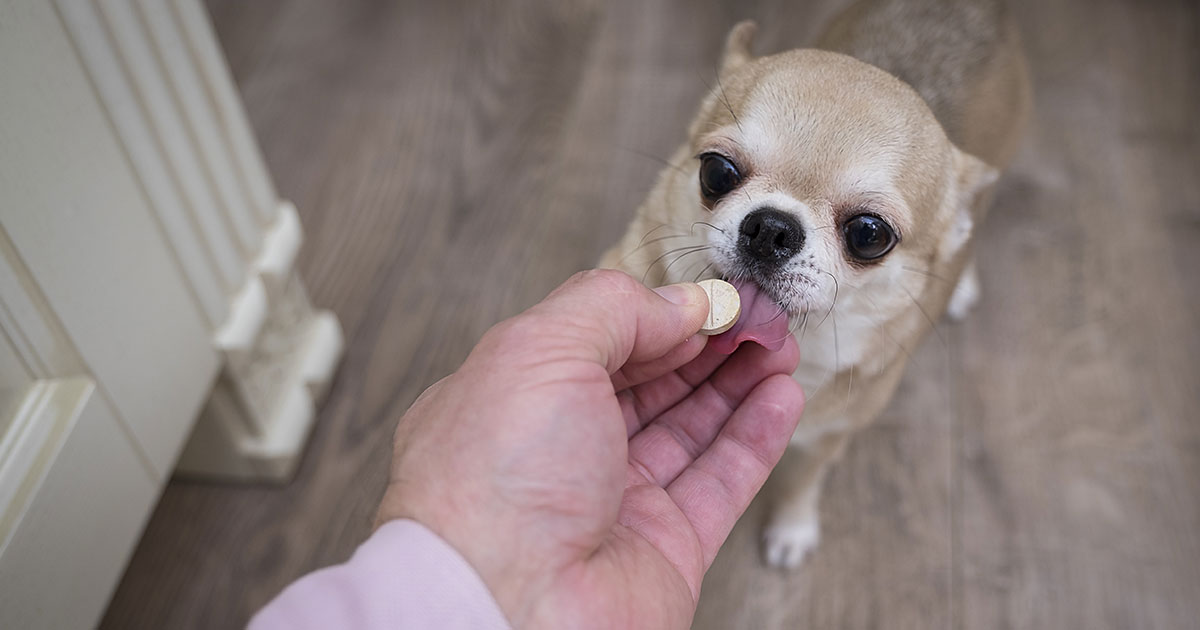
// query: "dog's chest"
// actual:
[[849, 337]]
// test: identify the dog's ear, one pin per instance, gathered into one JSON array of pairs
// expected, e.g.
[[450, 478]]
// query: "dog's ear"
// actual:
[[974, 179], [737, 46]]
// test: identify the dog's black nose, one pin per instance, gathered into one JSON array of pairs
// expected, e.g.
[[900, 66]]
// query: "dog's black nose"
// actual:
[[770, 236]]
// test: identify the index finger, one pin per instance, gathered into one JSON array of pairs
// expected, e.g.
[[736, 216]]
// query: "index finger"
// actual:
[[608, 317]]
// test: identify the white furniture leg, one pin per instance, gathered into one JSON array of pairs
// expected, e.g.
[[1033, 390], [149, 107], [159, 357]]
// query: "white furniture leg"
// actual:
[[279, 357], [159, 73]]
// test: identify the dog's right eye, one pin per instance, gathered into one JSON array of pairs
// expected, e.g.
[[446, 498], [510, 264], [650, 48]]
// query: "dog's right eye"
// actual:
[[718, 176]]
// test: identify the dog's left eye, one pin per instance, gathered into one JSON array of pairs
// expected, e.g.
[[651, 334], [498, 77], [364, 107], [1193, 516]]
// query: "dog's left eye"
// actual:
[[718, 176], [868, 237]]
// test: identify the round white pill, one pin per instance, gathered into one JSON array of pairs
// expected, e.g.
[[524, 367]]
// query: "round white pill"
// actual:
[[724, 306]]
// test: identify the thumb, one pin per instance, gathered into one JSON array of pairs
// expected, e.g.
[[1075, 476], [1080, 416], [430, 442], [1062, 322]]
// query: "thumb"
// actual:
[[609, 317]]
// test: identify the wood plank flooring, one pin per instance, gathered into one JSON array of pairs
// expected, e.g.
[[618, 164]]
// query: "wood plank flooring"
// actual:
[[453, 161]]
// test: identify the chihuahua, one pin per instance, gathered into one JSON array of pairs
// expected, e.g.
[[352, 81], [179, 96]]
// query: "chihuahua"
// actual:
[[839, 189]]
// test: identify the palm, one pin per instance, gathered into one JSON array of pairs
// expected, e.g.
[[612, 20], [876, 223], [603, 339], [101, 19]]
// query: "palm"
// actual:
[[696, 439]]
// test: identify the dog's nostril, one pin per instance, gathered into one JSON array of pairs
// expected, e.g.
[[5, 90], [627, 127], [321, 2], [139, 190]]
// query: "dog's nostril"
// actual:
[[770, 236]]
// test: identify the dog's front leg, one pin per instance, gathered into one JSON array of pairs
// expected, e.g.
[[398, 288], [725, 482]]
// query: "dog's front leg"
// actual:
[[794, 525]]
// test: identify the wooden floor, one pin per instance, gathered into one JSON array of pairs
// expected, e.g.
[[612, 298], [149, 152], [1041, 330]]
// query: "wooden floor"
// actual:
[[452, 161]]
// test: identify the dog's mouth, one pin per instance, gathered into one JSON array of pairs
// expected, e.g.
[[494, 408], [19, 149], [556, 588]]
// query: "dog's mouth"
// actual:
[[763, 321]]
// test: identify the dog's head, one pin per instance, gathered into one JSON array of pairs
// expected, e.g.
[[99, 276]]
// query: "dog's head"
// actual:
[[825, 175]]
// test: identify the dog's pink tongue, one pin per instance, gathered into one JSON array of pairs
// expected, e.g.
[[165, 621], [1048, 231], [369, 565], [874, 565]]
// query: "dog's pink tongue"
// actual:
[[762, 321]]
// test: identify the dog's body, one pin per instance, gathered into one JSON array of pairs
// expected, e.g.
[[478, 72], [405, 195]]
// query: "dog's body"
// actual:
[[811, 164]]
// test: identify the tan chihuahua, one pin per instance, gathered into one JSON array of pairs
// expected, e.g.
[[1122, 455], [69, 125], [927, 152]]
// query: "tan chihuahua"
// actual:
[[839, 189]]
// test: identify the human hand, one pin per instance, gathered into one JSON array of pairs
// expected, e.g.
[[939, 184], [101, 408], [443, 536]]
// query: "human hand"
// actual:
[[590, 457]]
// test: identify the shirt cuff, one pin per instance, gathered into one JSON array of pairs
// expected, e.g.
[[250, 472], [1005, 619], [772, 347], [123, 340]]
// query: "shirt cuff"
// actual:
[[403, 576]]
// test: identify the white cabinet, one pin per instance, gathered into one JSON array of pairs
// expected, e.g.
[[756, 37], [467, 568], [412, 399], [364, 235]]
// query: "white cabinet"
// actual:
[[147, 293]]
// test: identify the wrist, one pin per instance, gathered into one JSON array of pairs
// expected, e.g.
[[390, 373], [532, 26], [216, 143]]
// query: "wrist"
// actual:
[[515, 575]]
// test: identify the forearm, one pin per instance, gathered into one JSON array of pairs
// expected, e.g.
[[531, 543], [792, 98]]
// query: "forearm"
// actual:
[[403, 576]]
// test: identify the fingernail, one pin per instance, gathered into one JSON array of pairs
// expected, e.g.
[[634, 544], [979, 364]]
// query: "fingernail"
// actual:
[[681, 294]]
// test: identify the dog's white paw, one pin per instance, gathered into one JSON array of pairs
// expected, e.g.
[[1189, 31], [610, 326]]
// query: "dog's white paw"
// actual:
[[965, 296], [787, 543]]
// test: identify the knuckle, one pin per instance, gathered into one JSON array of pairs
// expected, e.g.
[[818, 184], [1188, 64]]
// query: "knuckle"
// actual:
[[509, 333], [610, 279], [517, 335]]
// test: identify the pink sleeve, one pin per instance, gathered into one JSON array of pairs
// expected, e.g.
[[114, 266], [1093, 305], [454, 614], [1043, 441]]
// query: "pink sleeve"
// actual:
[[403, 576]]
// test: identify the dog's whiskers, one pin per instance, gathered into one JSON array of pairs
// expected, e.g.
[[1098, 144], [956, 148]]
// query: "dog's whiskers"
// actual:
[[687, 271], [849, 389], [651, 156], [803, 328], [883, 329], [926, 274], [724, 99], [779, 312], [804, 324], [647, 241], [689, 248], [706, 224], [665, 238], [837, 361], [836, 291], [697, 250], [642, 243], [932, 325]]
